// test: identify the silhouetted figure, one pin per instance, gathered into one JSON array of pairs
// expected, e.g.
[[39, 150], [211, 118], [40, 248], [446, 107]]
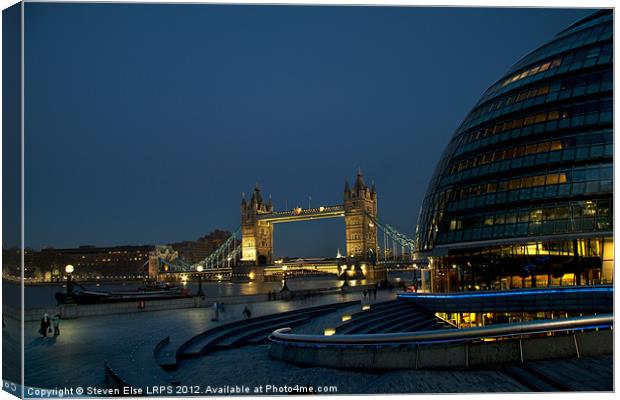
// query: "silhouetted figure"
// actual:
[[56, 324], [45, 325], [247, 314], [374, 293]]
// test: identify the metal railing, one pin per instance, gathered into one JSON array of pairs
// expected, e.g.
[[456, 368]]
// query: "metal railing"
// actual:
[[450, 335]]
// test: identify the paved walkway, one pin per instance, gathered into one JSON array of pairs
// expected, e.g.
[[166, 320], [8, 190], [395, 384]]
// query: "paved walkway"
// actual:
[[77, 356], [219, 367], [251, 366]]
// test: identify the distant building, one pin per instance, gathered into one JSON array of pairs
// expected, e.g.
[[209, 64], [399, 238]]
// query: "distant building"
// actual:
[[523, 193], [198, 250], [93, 262]]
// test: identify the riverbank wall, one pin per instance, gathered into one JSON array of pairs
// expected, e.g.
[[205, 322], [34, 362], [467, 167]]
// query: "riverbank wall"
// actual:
[[72, 311]]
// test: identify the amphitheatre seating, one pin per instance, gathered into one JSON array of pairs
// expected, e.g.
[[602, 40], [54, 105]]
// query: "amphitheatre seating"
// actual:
[[388, 317], [255, 335], [250, 331]]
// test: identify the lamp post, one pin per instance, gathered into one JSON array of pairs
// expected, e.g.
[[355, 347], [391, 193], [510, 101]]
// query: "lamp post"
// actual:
[[284, 269], [346, 280], [69, 269], [199, 269]]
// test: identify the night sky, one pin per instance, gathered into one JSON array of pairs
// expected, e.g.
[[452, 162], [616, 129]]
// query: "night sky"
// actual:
[[145, 123]]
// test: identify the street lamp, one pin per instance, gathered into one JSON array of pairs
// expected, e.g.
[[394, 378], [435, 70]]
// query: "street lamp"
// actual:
[[284, 269], [69, 269], [344, 275], [199, 269]]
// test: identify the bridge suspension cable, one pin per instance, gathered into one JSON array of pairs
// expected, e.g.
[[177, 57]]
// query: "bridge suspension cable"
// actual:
[[223, 258], [391, 234]]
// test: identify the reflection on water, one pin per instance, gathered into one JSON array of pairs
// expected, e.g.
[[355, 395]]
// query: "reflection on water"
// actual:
[[43, 295]]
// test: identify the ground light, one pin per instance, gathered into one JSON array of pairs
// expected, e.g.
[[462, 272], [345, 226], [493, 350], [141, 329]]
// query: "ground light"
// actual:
[[329, 331]]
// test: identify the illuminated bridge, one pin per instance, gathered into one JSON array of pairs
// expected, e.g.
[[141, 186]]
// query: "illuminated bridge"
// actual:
[[306, 214], [372, 245]]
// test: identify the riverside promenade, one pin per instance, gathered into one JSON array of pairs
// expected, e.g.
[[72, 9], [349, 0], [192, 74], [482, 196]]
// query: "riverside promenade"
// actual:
[[126, 342], [77, 356]]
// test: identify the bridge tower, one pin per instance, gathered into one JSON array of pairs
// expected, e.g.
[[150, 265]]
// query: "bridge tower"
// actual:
[[256, 235], [360, 204]]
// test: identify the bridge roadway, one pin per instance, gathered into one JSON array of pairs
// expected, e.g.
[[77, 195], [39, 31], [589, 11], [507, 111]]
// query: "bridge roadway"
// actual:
[[76, 357], [300, 214]]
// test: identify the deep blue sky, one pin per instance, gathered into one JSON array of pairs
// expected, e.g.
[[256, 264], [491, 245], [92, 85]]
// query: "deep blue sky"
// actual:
[[144, 123]]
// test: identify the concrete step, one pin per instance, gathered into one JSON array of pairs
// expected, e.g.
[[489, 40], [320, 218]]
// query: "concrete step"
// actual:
[[257, 334], [380, 307], [413, 325], [382, 320], [380, 328], [365, 320], [207, 342], [165, 354]]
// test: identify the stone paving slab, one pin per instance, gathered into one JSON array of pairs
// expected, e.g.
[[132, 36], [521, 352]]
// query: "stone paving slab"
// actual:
[[77, 356], [218, 368], [586, 374]]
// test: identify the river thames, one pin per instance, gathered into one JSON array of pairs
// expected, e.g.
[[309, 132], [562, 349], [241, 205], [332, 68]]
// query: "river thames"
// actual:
[[37, 296]]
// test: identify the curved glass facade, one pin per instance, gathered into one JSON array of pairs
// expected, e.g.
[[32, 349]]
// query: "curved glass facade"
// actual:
[[524, 188]]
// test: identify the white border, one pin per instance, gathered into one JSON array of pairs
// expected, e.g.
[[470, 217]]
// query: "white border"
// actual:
[[428, 3]]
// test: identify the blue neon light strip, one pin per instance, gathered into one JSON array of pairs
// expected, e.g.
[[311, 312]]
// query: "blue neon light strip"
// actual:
[[504, 293]]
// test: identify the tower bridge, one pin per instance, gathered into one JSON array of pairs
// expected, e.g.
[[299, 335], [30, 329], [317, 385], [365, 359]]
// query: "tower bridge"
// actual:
[[359, 211], [248, 253]]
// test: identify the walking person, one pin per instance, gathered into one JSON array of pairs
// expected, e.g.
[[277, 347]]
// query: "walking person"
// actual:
[[216, 311], [247, 314], [374, 293], [222, 309], [56, 324], [45, 325]]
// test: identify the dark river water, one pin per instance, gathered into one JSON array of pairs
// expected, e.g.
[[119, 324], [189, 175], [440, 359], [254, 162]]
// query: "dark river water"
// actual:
[[43, 295]]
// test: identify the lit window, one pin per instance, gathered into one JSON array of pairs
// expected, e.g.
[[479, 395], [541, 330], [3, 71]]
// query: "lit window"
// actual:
[[541, 118], [538, 180], [556, 145]]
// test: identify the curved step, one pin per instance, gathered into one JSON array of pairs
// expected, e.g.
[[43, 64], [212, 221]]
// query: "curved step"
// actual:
[[388, 324], [202, 343], [202, 347], [356, 324], [165, 355], [239, 339], [413, 326]]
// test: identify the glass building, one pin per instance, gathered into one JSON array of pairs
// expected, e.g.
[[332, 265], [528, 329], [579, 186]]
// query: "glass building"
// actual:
[[523, 194]]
